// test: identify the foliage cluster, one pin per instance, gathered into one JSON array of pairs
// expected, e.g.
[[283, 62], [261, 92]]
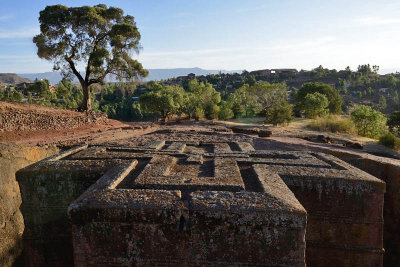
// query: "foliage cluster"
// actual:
[[262, 98], [199, 100], [334, 100]]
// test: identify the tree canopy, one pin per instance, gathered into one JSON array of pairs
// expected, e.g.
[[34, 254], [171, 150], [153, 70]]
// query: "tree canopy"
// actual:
[[202, 100], [164, 100], [315, 104], [334, 99], [101, 38]]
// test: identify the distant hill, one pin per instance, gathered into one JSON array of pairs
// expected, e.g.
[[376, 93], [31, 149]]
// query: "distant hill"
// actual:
[[53, 77], [13, 78], [154, 74]]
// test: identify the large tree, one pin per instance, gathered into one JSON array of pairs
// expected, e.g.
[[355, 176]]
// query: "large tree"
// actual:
[[100, 38], [164, 100]]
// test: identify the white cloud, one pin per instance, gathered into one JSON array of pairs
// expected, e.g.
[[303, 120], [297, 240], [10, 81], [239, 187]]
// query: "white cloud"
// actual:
[[373, 21], [19, 33]]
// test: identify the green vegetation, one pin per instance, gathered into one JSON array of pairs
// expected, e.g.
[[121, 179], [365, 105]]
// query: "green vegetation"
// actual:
[[100, 37], [12, 95], [116, 99], [368, 122], [334, 124]]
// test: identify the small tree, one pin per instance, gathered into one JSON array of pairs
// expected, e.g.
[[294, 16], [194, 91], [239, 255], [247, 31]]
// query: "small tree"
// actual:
[[225, 112], [282, 114], [368, 122], [16, 96], [99, 37], [315, 104]]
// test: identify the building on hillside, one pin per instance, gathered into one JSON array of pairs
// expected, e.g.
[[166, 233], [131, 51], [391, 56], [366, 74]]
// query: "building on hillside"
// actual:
[[266, 72], [275, 72]]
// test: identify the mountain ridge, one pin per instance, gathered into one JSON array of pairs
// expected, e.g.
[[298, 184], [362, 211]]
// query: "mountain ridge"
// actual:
[[13, 78]]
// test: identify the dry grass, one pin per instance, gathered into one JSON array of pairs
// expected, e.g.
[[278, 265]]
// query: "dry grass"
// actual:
[[254, 121], [334, 124]]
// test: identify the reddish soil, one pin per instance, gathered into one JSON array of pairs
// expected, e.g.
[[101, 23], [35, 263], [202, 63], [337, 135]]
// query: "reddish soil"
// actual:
[[110, 130], [81, 127]]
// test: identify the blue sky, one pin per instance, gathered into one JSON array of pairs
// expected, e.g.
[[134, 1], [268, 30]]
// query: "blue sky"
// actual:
[[230, 35]]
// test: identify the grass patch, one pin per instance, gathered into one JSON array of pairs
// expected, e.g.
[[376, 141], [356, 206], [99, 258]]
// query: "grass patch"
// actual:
[[390, 140], [334, 124]]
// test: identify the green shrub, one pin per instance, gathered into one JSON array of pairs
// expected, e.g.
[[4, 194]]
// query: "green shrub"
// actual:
[[334, 124], [390, 140], [282, 114], [368, 122]]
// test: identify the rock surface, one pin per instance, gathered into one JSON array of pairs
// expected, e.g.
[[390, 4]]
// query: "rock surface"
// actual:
[[12, 158], [18, 116], [161, 203]]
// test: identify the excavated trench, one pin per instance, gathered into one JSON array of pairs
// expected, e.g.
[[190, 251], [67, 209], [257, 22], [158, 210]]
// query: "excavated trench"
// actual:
[[12, 158]]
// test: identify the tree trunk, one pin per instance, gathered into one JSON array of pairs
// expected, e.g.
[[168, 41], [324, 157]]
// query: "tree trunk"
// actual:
[[86, 104]]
